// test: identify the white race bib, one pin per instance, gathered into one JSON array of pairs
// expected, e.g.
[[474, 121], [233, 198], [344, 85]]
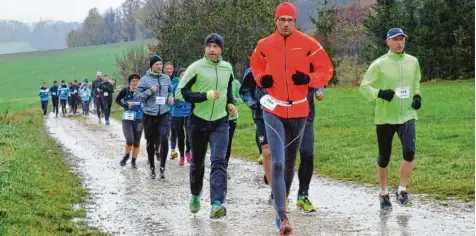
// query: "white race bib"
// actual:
[[129, 115], [53, 93], [268, 102], [160, 100], [403, 92], [106, 94]]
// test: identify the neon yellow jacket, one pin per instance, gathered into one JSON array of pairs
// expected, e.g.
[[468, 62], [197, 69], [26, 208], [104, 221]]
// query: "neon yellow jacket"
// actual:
[[392, 71]]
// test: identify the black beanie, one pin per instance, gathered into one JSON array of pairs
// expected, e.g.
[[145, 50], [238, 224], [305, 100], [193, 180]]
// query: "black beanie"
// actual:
[[153, 59], [215, 38]]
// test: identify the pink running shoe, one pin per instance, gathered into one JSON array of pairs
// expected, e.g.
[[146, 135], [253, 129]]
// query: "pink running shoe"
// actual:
[[189, 157], [182, 161]]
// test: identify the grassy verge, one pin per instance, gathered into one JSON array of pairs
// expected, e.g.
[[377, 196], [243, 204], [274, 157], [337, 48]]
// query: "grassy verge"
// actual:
[[346, 144], [39, 195]]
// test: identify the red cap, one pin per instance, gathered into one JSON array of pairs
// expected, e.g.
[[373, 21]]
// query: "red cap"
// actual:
[[285, 9]]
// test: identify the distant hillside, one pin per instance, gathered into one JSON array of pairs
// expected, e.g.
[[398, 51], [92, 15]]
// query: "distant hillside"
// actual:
[[17, 36]]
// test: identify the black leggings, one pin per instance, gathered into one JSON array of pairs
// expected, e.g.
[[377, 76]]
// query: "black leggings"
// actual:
[[180, 127], [132, 130], [231, 132], [157, 129], [99, 106], [63, 106], [44, 107], [55, 105], [406, 133], [107, 103]]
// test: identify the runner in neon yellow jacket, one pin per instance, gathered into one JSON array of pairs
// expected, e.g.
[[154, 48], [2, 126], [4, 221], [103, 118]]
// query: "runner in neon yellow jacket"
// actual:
[[392, 71], [393, 80]]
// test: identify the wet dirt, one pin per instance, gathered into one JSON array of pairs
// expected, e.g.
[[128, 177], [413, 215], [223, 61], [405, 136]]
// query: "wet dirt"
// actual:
[[125, 201]]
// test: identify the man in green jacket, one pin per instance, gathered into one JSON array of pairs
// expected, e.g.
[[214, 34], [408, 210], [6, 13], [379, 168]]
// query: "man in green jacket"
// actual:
[[393, 81], [207, 85]]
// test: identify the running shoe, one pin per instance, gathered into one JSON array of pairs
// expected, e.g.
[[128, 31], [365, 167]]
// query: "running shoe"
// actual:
[[304, 203], [218, 210], [152, 173], [173, 155], [162, 171], [133, 163], [124, 160], [385, 203], [260, 160], [403, 198], [195, 203], [284, 227], [189, 157], [182, 161]]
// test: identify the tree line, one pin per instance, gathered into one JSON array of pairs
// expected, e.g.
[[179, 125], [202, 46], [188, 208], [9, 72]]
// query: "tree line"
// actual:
[[441, 32]]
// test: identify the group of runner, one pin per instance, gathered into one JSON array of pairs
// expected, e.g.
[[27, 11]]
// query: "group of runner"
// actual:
[[74, 95], [287, 70]]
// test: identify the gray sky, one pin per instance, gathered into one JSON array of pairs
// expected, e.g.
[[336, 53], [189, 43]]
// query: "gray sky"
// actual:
[[65, 10]]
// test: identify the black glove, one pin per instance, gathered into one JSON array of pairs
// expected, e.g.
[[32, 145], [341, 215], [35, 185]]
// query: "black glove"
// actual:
[[416, 104], [266, 81], [301, 78], [386, 94]]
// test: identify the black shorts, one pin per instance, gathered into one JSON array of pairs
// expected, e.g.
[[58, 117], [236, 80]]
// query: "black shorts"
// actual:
[[261, 131]]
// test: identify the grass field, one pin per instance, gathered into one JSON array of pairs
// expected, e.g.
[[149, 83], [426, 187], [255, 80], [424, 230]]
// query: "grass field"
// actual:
[[39, 195], [23, 73], [346, 144]]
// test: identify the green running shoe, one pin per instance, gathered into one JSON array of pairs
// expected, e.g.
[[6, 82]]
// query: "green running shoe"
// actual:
[[218, 210], [304, 203], [195, 203]]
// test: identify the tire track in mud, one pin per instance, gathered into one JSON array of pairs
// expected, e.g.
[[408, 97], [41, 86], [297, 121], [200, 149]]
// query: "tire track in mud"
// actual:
[[125, 201]]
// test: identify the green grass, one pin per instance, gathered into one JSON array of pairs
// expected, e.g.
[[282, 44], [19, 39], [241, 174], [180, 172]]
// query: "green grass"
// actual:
[[346, 144], [37, 191], [23, 73]]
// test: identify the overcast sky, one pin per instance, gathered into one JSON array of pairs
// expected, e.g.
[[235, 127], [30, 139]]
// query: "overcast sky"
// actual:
[[66, 10]]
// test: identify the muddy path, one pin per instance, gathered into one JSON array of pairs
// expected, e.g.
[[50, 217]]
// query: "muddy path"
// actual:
[[125, 201]]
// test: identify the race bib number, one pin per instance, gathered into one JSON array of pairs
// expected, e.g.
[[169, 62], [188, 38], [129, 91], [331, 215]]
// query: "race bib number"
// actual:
[[106, 94], [268, 102], [129, 115], [160, 100], [53, 93], [403, 92]]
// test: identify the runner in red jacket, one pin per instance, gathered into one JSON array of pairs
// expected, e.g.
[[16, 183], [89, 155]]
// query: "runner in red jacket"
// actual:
[[286, 64]]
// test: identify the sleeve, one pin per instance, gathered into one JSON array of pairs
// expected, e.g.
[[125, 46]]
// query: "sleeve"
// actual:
[[39, 92], [417, 79], [184, 89], [142, 92], [120, 96], [171, 91], [236, 92], [229, 93], [258, 64], [367, 85], [323, 69]]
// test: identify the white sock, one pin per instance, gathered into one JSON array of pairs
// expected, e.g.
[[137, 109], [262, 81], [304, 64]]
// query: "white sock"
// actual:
[[401, 188], [384, 192]]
